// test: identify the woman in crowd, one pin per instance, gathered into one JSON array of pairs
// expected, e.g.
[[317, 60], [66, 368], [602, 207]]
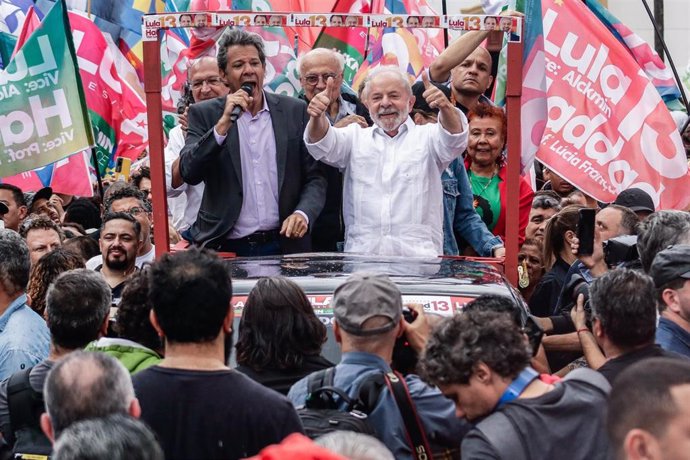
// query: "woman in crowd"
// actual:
[[487, 172], [530, 267], [45, 271], [280, 337], [558, 257]]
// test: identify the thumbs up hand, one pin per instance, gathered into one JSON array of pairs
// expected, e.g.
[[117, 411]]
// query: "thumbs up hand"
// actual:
[[320, 102], [434, 96]]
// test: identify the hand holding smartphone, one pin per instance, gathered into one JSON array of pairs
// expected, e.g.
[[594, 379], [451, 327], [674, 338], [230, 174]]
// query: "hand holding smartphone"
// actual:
[[585, 231]]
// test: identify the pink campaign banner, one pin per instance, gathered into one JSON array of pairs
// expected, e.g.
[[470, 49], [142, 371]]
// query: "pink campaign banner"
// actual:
[[607, 128]]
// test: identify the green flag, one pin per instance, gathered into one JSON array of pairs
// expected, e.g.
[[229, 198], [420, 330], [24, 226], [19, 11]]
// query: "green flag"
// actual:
[[7, 43], [43, 114]]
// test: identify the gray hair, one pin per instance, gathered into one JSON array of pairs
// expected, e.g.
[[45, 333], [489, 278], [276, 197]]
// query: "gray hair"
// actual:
[[77, 303], [195, 62], [660, 230], [238, 37], [338, 58], [15, 263], [387, 69], [354, 446], [116, 437], [86, 385]]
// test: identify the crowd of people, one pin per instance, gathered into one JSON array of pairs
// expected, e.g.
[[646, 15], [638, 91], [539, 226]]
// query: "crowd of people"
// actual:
[[107, 352]]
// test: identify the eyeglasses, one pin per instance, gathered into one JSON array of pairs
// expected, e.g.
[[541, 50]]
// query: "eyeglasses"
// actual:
[[212, 81], [313, 79], [135, 211]]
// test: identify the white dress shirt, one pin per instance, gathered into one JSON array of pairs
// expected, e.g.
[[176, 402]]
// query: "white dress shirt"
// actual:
[[185, 200], [392, 195]]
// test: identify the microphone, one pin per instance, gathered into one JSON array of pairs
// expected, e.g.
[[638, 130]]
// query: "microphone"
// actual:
[[247, 87]]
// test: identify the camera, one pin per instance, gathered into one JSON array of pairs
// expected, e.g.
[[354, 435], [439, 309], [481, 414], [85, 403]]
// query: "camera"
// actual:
[[404, 357], [576, 286], [620, 250]]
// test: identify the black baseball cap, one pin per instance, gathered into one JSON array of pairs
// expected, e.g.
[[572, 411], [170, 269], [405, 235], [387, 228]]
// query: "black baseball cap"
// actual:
[[671, 264], [31, 197], [635, 199]]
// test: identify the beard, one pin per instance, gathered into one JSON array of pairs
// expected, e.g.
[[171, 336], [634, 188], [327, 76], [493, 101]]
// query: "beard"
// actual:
[[389, 124], [119, 264]]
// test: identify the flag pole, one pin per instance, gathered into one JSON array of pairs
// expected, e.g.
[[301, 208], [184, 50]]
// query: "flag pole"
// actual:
[[444, 10], [99, 180], [670, 59]]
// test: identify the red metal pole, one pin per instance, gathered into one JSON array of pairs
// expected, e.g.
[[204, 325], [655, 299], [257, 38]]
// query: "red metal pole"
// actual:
[[513, 94], [154, 108]]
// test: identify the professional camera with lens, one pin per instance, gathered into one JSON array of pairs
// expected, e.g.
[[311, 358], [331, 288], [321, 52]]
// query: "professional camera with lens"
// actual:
[[576, 286], [404, 357], [620, 250]]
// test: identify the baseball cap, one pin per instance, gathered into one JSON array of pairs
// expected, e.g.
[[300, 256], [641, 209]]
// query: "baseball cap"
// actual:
[[4, 209], [671, 264], [635, 199], [31, 197], [364, 296], [420, 103]]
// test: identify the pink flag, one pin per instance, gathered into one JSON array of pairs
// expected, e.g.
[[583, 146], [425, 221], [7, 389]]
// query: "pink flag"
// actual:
[[607, 128]]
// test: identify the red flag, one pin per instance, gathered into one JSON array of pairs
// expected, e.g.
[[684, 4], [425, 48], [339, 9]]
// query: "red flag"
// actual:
[[607, 128]]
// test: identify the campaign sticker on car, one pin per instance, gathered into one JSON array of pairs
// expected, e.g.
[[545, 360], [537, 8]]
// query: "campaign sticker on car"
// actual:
[[439, 305]]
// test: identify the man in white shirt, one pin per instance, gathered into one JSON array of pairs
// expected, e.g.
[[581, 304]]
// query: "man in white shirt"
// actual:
[[392, 193], [184, 199]]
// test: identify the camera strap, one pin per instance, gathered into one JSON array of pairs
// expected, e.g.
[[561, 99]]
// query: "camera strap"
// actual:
[[517, 386]]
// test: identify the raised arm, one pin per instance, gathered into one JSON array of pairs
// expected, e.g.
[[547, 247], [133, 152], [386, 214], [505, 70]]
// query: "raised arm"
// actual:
[[456, 52]]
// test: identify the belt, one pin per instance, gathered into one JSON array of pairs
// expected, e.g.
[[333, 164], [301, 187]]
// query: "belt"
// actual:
[[258, 237]]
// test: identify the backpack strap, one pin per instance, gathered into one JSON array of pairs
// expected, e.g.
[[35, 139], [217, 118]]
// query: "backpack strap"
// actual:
[[22, 400], [316, 381], [416, 436], [503, 436]]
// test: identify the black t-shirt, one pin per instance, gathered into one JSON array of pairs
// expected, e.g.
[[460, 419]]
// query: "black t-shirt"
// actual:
[[281, 380], [615, 366], [212, 414]]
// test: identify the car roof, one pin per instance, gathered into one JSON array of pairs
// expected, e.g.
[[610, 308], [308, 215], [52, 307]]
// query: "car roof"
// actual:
[[323, 273]]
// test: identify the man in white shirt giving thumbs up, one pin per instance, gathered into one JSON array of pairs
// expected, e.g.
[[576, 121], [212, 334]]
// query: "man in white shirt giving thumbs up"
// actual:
[[392, 196]]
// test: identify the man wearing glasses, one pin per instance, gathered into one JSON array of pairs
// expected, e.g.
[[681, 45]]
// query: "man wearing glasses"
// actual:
[[315, 67], [129, 200], [184, 200]]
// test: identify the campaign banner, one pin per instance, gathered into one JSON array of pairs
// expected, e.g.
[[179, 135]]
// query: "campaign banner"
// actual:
[[43, 115], [607, 127]]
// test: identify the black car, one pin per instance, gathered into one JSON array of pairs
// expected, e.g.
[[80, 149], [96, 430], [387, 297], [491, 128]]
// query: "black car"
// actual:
[[442, 285]]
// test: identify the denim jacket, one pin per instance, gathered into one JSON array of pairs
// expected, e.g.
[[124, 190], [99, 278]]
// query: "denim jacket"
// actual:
[[459, 215], [24, 338]]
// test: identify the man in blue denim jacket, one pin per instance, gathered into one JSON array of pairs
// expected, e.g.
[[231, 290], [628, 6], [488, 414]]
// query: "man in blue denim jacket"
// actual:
[[368, 319], [459, 216], [24, 336]]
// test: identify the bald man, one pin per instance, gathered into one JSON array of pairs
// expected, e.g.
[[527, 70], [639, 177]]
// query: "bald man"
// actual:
[[468, 66]]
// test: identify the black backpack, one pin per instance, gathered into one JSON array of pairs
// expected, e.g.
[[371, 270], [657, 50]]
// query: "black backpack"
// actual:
[[25, 407], [321, 414]]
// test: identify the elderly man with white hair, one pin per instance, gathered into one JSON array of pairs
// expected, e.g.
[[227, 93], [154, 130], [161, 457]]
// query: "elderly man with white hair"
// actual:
[[392, 187]]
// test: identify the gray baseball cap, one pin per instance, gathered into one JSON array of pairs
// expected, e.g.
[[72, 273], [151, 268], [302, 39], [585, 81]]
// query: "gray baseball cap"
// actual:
[[671, 264], [364, 296]]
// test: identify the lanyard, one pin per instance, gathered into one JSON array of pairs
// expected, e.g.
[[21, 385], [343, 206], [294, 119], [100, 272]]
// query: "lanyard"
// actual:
[[517, 386]]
